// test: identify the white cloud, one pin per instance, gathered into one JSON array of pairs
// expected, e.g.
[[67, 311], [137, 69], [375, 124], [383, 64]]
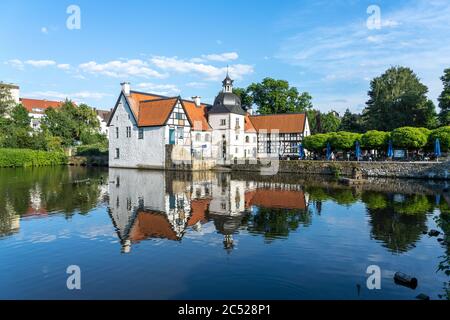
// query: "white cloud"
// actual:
[[40, 63], [196, 85], [63, 66], [15, 63], [75, 96], [121, 69], [222, 57], [211, 72], [44, 30], [162, 89]]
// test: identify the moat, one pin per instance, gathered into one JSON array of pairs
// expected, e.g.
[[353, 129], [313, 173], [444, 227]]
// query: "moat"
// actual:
[[139, 234]]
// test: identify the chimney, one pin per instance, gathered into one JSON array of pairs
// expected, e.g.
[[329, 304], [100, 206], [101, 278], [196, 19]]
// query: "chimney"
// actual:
[[126, 88], [197, 100]]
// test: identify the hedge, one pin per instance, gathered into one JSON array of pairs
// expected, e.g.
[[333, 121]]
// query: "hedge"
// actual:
[[30, 158], [97, 149]]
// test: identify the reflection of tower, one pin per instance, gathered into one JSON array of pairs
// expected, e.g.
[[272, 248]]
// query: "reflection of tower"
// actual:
[[228, 242]]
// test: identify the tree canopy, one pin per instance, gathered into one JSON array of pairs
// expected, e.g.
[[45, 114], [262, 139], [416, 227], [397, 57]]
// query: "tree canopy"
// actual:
[[374, 139], [351, 122], [443, 134], [397, 98], [246, 98], [409, 137], [277, 96], [316, 142], [444, 99], [343, 140]]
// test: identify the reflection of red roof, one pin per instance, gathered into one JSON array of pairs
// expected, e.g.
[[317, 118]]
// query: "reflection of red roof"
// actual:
[[284, 123], [198, 211], [35, 212], [273, 198], [39, 106], [151, 225]]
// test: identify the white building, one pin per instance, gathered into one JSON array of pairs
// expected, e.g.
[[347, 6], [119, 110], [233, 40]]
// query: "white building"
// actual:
[[152, 131]]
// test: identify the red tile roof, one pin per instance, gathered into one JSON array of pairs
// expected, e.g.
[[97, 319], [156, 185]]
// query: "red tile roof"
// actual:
[[197, 115], [136, 97], [249, 127], [285, 123], [39, 106], [155, 112]]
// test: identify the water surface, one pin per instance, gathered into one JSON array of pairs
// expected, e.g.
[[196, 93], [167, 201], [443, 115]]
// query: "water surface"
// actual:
[[155, 235]]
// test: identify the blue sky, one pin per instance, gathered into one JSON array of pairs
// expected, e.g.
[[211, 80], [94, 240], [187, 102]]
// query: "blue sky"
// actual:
[[184, 47]]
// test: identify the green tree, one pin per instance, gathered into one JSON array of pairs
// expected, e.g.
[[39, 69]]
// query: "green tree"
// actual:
[[398, 98], [72, 123], [409, 138], [276, 96], [343, 140], [444, 99], [313, 119], [20, 117], [374, 139], [351, 122], [443, 134], [246, 98], [316, 142], [329, 122]]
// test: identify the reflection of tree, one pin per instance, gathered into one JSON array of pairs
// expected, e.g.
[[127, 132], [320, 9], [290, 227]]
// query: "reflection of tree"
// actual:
[[416, 204], [443, 221], [342, 196], [398, 226], [276, 223], [51, 189], [374, 200]]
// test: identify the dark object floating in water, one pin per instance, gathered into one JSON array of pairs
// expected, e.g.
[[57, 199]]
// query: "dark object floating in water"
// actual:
[[433, 233], [423, 296], [440, 239], [405, 280], [425, 232]]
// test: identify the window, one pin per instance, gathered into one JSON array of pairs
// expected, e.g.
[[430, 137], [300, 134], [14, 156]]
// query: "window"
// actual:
[[223, 122], [117, 153], [128, 132], [141, 133], [207, 137], [180, 133], [117, 132], [179, 116], [198, 137], [247, 139], [236, 150], [237, 123], [254, 139], [237, 138]]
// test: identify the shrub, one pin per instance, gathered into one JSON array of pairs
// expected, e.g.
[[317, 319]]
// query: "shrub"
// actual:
[[409, 137], [30, 158], [316, 142], [344, 140], [443, 134], [374, 139], [98, 149]]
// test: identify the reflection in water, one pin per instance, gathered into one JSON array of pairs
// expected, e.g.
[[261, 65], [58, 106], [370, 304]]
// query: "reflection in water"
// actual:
[[165, 207], [153, 204]]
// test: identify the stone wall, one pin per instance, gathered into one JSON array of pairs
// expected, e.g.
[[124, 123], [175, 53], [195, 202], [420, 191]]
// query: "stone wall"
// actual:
[[412, 170], [180, 159]]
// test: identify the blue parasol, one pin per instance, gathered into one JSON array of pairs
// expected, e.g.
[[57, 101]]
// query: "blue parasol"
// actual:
[[437, 148], [390, 152], [358, 150], [328, 151], [301, 152]]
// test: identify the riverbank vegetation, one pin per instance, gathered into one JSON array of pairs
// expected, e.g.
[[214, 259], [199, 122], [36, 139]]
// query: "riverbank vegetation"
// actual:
[[31, 158], [69, 126], [410, 138]]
